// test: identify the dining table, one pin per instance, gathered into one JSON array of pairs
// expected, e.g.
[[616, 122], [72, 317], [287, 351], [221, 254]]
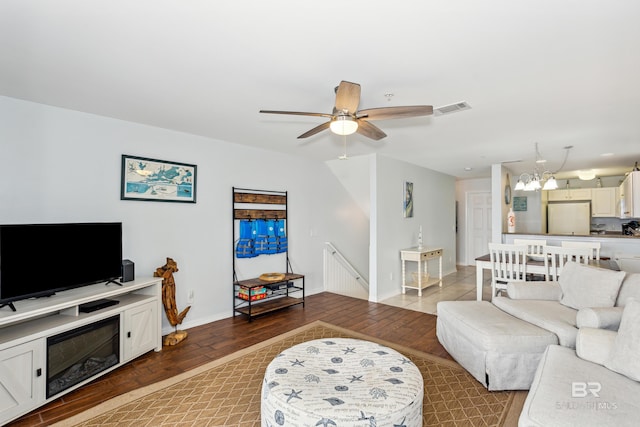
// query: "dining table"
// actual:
[[534, 266]]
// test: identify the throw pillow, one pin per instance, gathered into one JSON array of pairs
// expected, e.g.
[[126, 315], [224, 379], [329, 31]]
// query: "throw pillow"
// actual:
[[585, 286], [595, 345], [623, 358], [630, 289]]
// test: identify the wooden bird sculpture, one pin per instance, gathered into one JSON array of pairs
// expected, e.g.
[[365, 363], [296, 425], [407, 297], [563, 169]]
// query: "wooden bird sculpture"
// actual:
[[169, 301]]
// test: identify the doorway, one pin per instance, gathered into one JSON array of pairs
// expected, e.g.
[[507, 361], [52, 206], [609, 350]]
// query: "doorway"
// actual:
[[478, 224]]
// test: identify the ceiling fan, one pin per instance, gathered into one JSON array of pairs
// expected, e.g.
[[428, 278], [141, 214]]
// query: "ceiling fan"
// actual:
[[347, 119]]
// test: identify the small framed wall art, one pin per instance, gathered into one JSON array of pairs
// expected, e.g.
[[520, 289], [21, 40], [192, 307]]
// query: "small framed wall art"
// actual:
[[408, 199], [157, 180], [520, 204]]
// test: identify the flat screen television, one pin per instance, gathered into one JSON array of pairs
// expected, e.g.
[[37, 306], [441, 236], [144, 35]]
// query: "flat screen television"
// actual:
[[38, 260]]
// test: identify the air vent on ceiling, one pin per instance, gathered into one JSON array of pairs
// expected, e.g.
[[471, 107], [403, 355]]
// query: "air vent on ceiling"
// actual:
[[452, 108]]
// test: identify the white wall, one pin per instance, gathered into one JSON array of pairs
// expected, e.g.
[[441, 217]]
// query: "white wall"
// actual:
[[531, 220], [434, 210], [353, 173], [64, 166], [462, 188]]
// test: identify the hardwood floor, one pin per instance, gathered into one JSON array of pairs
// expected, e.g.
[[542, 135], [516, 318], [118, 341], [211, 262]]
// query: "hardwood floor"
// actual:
[[211, 341]]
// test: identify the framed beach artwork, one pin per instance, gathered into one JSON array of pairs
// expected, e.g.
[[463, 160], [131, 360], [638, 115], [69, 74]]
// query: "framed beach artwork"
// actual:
[[519, 204], [157, 180], [408, 199]]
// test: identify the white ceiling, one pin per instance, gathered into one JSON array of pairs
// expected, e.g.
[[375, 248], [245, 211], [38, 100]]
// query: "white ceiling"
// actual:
[[556, 72]]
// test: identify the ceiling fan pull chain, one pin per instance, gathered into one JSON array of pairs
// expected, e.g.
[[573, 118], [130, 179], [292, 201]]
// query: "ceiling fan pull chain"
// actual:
[[344, 156]]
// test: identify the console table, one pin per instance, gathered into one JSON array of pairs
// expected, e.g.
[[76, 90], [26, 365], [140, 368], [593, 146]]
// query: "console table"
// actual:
[[421, 256]]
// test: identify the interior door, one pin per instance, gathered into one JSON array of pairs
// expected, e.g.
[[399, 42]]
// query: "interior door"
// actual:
[[479, 225]]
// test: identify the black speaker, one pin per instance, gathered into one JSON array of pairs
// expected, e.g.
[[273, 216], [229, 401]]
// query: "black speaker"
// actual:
[[128, 270]]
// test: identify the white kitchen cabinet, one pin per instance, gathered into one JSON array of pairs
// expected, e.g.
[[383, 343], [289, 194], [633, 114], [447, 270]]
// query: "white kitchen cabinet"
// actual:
[[604, 202], [570, 194], [630, 196], [21, 378], [140, 330]]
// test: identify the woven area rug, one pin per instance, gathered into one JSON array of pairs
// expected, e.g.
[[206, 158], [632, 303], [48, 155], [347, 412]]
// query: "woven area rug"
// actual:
[[226, 392]]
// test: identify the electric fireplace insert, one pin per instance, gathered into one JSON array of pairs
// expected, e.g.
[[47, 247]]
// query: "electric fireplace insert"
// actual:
[[81, 353]]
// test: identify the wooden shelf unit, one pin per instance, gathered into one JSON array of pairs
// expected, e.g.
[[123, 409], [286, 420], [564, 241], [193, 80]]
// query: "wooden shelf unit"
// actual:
[[275, 300], [293, 293]]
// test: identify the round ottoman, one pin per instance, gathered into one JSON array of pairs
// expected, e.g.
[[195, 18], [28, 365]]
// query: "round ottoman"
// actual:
[[341, 382]]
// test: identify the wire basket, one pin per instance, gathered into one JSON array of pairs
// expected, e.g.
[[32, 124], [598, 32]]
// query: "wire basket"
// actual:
[[415, 275]]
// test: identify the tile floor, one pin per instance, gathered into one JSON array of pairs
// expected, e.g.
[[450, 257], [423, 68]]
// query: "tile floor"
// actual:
[[460, 285]]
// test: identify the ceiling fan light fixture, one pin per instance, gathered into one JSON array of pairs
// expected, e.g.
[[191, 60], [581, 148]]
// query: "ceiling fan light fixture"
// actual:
[[344, 125], [347, 119]]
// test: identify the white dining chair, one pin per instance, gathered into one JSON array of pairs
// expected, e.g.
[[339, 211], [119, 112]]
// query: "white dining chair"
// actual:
[[535, 252], [557, 256], [508, 264], [535, 248], [594, 246]]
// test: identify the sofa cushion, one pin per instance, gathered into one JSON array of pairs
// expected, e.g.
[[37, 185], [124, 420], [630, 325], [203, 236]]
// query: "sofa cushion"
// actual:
[[630, 289], [561, 395], [624, 355], [594, 344], [550, 291], [587, 286], [549, 315]]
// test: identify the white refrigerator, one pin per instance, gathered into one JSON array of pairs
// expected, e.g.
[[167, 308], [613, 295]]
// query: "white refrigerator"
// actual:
[[569, 218]]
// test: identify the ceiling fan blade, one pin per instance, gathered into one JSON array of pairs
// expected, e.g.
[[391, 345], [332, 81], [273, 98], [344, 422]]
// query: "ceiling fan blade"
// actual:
[[395, 112], [297, 113], [370, 130], [347, 97], [315, 130]]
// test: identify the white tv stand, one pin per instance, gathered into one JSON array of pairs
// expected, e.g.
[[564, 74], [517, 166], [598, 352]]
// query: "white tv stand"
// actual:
[[24, 333]]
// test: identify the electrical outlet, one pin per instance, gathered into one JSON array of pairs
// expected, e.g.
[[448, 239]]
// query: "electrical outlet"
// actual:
[[190, 297]]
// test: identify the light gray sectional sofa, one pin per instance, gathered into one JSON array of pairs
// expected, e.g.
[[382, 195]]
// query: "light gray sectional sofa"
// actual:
[[582, 387], [587, 372]]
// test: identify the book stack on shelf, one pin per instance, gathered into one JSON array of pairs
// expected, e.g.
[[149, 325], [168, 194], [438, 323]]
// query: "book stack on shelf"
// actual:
[[254, 293]]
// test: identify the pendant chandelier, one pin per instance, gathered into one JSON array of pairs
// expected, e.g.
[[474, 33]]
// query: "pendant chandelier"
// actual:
[[533, 181]]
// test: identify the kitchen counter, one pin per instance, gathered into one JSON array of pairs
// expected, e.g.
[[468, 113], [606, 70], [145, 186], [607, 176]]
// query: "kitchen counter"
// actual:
[[607, 234], [610, 244]]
